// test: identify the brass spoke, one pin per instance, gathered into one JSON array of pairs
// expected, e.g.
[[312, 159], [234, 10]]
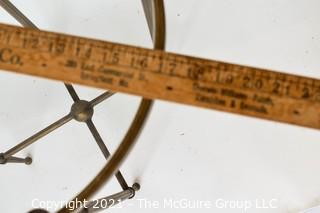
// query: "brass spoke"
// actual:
[[105, 151], [101, 98], [37, 136]]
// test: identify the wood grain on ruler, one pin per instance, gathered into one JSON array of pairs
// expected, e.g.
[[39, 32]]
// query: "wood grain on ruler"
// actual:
[[160, 75]]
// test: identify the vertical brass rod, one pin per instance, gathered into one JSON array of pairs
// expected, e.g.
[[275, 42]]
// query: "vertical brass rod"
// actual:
[[149, 8]]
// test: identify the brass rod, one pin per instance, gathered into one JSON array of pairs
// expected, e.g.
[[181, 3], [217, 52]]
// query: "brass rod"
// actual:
[[24, 21], [105, 151], [72, 92], [17, 14], [101, 98], [3, 160], [109, 201], [149, 7], [37, 136]]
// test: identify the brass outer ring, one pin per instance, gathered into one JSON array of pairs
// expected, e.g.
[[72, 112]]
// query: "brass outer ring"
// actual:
[[136, 126]]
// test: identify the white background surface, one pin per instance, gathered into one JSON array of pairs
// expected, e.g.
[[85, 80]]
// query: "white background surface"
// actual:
[[184, 152]]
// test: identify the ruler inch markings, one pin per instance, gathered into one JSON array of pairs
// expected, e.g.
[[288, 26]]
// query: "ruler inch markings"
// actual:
[[156, 74]]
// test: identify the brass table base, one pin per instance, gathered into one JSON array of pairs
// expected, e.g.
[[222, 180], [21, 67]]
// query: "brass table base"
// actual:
[[82, 111]]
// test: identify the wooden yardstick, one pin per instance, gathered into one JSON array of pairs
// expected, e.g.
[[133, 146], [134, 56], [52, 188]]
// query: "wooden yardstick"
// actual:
[[161, 75]]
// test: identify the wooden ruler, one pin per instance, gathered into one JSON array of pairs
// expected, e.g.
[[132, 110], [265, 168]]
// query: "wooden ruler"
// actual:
[[161, 75]]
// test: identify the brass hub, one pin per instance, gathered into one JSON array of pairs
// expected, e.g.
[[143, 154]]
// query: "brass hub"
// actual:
[[82, 111]]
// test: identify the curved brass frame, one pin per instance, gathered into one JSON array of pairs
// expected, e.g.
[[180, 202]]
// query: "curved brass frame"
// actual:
[[129, 140]]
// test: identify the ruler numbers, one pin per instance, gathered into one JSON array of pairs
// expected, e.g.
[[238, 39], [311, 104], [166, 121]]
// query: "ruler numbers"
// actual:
[[166, 64], [157, 74]]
